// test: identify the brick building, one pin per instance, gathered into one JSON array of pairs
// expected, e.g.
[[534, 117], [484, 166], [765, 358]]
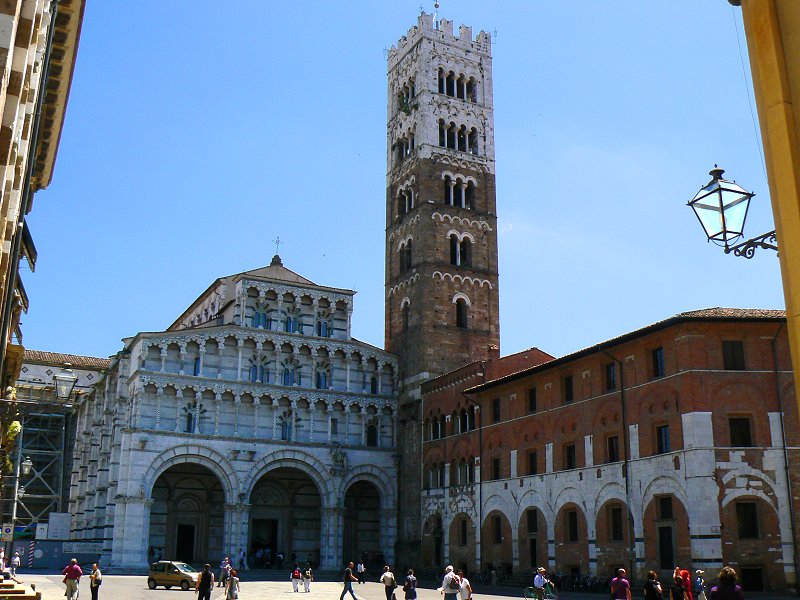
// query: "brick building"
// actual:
[[664, 446]]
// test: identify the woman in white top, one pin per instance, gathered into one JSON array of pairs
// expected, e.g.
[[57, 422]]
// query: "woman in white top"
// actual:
[[466, 588]]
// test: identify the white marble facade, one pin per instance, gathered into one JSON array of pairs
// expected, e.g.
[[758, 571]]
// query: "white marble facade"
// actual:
[[260, 390]]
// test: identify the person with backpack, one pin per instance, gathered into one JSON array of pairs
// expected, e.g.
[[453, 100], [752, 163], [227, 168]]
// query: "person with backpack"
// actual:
[[451, 584], [389, 582], [296, 577], [410, 586], [308, 577], [699, 585]]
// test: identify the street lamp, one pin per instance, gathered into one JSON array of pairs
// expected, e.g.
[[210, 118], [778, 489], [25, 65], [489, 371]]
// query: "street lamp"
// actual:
[[721, 207], [26, 466], [65, 381]]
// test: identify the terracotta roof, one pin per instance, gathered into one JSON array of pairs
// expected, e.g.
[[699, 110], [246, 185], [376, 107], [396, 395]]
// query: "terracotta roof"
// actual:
[[56, 358], [705, 314]]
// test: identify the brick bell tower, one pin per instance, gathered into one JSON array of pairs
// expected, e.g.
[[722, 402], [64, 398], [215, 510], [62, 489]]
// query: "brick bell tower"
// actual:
[[441, 228]]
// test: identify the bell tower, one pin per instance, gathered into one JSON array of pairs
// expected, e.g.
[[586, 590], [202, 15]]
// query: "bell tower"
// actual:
[[441, 225]]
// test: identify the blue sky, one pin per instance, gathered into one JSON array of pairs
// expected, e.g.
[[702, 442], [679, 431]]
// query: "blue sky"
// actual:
[[194, 137]]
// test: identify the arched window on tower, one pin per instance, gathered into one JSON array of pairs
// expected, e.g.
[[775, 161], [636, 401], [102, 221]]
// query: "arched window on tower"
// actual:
[[461, 313], [323, 328], [472, 90], [465, 253], [459, 194], [451, 136], [464, 421], [442, 134], [290, 324], [404, 314], [441, 81], [442, 482], [462, 138], [407, 255], [453, 249], [196, 366], [448, 190], [471, 470], [372, 435], [373, 385], [451, 84], [473, 141], [322, 380], [461, 88], [469, 196]]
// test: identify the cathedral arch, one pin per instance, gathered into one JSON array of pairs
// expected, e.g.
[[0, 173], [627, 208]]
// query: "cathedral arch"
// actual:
[[292, 459], [194, 454]]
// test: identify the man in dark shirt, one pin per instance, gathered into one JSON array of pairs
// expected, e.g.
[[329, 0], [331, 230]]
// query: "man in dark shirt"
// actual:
[[348, 580], [72, 575], [205, 583]]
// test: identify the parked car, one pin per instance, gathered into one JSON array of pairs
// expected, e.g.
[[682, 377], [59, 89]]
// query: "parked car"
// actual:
[[172, 572]]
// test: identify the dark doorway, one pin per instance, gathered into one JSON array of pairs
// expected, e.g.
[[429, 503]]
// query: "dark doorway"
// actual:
[[184, 543], [437, 550], [532, 550], [666, 549], [752, 579], [263, 536]]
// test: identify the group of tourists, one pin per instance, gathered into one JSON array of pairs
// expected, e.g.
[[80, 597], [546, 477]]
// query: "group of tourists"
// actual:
[[306, 575], [72, 577], [205, 582], [683, 587], [388, 579]]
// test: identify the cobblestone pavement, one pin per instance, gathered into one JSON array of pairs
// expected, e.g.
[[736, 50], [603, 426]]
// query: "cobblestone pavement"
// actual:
[[134, 587]]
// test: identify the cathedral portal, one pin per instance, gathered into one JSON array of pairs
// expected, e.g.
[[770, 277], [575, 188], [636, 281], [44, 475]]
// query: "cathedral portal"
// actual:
[[186, 519], [285, 517]]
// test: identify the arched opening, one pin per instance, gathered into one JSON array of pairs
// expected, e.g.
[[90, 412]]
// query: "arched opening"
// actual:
[[447, 189], [461, 313], [187, 515], [496, 550], [532, 539], [462, 543], [284, 517], [465, 253], [469, 196], [433, 541], [666, 524], [572, 548], [612, 532], [362, 533], [750, 527]]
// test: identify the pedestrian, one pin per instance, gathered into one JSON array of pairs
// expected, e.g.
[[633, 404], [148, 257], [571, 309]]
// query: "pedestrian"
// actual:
[[620, 587], [686, 582], [727, 588], [361, 570], [348, 578], [259, 558], [677, 591], [95, 579], [466, 587], [72, 576], [699, 585], [224, 570], [308, 577], [232, 586], [242, 559], [539, 581], [410, 586], [295, 577], [151, 556], [16, 561], [652, 587], [204, 583], [389, 582], [279, 558], [267, 557], [451, 584]]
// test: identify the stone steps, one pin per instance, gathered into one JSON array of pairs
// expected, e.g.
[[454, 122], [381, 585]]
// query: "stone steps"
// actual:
[[11, 589]]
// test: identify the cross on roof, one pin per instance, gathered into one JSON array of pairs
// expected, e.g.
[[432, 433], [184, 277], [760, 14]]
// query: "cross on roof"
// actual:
[[277, 241]]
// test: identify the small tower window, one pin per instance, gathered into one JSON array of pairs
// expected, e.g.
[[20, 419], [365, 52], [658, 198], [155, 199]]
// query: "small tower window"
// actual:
[[448, 191], [451, 136], [196, 368], [459, 192], [461, 313], [407, 255], [462, 139], [404, 317], [372, 436], [469, 196], [441, 81], [453, 250], [373, 385], [465, 253], [472, 90], [473, 141], [451, 84], [442, 134]]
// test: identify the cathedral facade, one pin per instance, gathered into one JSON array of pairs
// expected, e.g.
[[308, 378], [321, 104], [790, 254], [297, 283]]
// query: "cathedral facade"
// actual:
[[254, 422]]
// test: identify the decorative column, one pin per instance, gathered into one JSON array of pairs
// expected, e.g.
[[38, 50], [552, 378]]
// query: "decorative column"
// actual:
[[311, 422], [237, 404], [159, 398], [217, 402], [330, 413], [380, 377], [221, 347], [179, 401], [202, 354], [293, 417], [256, 405], [198, 405], [347, 363], [515, 544], [332, 537], [274, 418], [239, 346], [363, 414], [349, 318]]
